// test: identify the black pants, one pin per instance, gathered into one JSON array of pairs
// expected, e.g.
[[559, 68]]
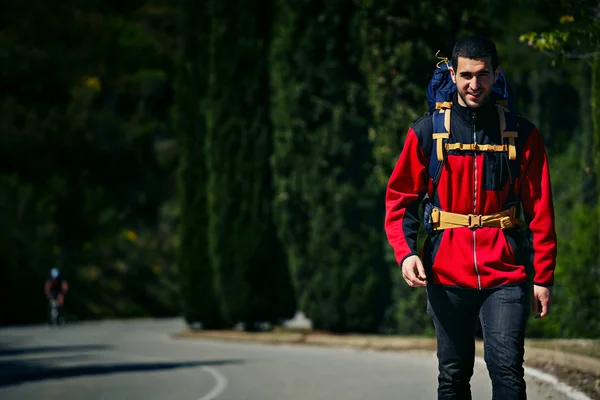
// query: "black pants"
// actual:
[[503, 314]]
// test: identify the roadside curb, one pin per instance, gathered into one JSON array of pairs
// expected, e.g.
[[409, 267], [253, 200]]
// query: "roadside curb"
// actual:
[[320, 339]]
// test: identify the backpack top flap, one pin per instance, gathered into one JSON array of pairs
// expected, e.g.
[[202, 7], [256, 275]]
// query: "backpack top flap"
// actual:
[[440, 88]]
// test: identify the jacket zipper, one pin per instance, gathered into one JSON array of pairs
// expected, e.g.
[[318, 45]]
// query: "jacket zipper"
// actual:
[[475, 202]]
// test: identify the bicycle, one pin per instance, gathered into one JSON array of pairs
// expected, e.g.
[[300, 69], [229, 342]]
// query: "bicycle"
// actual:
[[55, 314]]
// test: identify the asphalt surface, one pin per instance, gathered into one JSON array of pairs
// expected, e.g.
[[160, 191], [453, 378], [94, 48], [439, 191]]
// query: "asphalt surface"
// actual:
[[139, 360]]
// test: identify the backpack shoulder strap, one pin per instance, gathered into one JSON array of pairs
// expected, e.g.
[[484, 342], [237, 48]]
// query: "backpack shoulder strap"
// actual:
[[509, 132], [441, 136]]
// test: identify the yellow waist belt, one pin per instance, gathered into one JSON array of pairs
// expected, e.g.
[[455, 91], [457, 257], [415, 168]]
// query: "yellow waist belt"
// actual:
[[505, 219]]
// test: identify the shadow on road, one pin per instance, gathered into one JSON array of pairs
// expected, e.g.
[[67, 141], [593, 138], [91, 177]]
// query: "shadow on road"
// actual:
[[19, 371], [48, 349]]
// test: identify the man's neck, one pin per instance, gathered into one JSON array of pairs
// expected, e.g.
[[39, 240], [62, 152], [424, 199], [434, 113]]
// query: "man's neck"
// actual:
[[462, 102]]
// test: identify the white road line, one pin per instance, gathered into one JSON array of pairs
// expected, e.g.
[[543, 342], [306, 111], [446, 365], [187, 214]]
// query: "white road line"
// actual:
[[219, 377], [219, 387], [560, 386], [569, 391]]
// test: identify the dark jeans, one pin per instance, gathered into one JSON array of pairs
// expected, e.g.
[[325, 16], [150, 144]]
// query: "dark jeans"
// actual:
[[503, 314]]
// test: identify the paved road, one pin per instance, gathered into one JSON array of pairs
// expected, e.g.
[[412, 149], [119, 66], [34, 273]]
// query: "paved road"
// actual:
[[138, 360]]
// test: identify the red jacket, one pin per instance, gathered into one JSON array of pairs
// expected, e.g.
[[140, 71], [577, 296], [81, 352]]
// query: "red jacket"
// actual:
[[474, 183]]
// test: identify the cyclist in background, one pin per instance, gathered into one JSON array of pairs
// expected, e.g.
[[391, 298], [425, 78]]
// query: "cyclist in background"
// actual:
[[55, 288]]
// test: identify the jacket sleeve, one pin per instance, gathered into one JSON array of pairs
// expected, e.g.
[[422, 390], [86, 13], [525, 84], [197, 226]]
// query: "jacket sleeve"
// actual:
[[536, 197], [406, 187]]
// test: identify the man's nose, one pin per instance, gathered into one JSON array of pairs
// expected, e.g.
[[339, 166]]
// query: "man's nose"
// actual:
[[474, 84]]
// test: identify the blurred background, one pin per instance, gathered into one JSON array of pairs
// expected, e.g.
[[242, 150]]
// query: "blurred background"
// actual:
[[226, 161]]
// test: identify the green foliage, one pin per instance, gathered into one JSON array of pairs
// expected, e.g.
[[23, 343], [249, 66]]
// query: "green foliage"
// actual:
[[595, 111], [196, 272], [26, 212], [74, 111], [578, 274], [328, 217], [252, 279], [129, 274], [577, 294], [576, 34]]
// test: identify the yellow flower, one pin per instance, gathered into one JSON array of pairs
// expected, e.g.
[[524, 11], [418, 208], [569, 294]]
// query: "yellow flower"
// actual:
[[131, 236], [92, 82], [566, 18]]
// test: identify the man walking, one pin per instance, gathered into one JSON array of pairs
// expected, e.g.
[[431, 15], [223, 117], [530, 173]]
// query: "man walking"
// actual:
[[475, 166]]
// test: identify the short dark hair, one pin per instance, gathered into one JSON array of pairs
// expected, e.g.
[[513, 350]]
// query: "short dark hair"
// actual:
[[475, 48]]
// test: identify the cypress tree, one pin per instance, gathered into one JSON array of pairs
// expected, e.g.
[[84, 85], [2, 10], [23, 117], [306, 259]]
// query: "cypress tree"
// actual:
[[595, 109], [327, 213], [196, 274], [252, 277]]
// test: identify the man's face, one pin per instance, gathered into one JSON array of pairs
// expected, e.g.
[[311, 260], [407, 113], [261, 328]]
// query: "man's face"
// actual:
[[474, 79]]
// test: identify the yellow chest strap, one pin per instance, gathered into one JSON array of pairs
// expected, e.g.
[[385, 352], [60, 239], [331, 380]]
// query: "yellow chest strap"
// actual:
[[444, 108]]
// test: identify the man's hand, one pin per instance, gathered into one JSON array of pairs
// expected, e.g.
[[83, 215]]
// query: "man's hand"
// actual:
[[413, 271], [542, 300]]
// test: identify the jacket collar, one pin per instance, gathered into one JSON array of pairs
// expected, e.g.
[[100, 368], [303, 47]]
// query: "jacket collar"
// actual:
[[468, 114]]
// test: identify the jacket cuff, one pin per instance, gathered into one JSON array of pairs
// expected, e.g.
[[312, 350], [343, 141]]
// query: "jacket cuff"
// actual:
[[405, 257]]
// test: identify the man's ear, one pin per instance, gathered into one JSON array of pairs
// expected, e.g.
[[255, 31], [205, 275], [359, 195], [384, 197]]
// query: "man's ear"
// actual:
[[496, 73], [452, 74]]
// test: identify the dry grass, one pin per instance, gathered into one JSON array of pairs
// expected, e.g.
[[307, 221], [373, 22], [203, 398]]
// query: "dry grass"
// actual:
[[584, 347]]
